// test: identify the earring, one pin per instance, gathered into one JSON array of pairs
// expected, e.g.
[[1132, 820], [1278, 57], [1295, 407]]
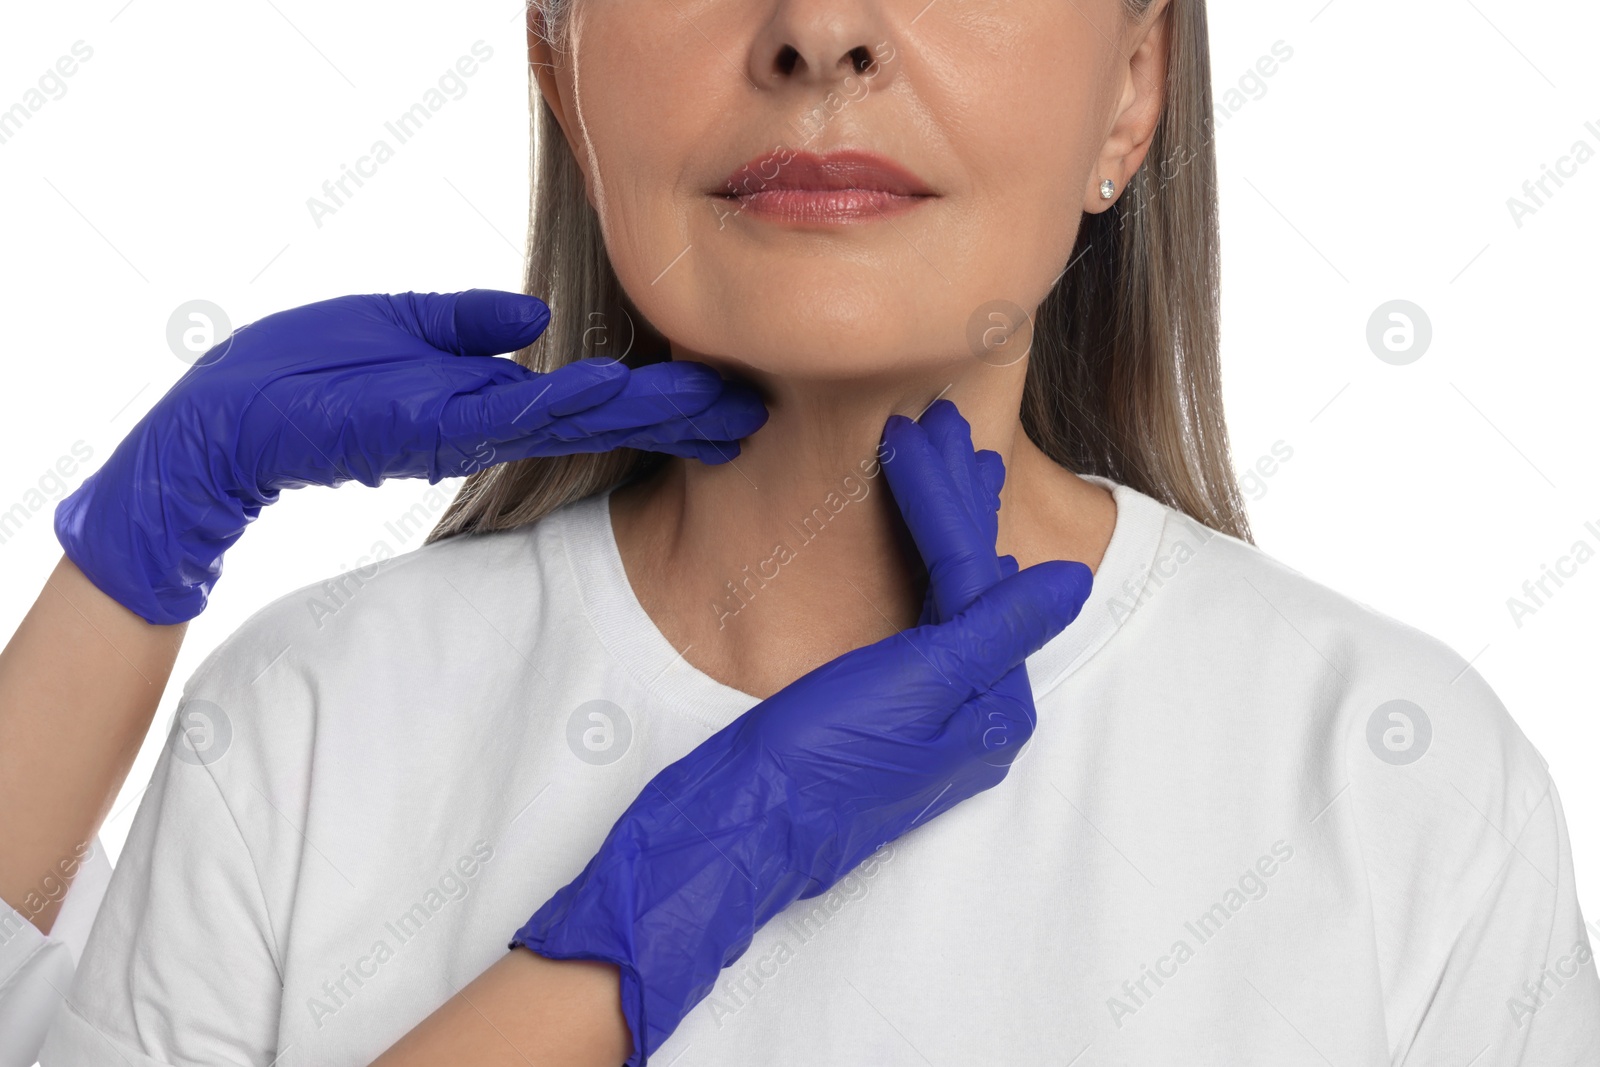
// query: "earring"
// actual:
[[1108, 189]]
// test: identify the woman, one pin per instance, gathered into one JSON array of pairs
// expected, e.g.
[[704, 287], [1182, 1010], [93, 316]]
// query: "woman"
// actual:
[[1257, 818]]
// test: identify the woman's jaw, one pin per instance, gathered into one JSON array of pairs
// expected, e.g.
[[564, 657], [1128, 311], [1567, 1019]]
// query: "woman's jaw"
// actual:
[[794, 553], [819, 427]]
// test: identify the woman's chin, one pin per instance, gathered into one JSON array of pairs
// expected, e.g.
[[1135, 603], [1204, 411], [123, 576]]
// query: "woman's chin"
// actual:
[[792, 345], [774, 369]]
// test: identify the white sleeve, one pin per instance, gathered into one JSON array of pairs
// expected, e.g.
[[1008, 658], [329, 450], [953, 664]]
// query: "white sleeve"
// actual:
[[36, 969], [1518, 988], [181, 967]]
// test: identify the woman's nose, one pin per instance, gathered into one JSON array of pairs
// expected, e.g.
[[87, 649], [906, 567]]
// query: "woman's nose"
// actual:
[[820, 43]]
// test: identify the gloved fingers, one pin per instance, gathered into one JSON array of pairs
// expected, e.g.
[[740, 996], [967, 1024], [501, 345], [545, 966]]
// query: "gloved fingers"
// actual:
[[930, 609], [996, 723], [660, 391], [992, 479], [584, 385], [489, 322], [958, 552], [503, 413], [653, 394], [951, 437], [1005, 625], [736, 414], [477, 322], [682, 405], [924, 493], [992, 469], [574, 384], [712, 436], [688, 444], [739, 411], [978, 475]]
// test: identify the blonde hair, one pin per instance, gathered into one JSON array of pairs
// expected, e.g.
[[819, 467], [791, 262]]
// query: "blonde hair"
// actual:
[[1124, 378]]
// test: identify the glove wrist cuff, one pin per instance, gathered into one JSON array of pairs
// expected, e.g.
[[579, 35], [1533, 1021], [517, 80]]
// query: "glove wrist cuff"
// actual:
[[158, 557]]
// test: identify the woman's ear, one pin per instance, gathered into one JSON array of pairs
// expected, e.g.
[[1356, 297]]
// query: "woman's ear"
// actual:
[[1144, 94], [541, 60]]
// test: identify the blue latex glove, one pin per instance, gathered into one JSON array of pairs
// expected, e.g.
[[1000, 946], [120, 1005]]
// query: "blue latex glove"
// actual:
[[956, 511], [954, 521], [362, 388], [794, 794]]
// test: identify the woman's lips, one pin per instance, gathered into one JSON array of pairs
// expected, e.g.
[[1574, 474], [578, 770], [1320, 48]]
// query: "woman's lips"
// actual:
[[840, 187]]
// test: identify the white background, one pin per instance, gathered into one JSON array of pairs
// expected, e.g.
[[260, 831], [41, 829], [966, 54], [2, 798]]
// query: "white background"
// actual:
[[1373, 165]]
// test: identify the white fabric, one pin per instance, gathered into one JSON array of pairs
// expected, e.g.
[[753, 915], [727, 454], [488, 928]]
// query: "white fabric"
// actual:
[[35, 970], [1199, 858]]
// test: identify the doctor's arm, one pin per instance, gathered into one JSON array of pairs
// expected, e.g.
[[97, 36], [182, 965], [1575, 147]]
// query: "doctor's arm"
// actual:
[[80, 681], [359, 388]]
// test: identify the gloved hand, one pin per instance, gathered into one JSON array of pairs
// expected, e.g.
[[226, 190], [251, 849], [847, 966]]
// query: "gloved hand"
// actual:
[[362, 388], [954, 493], [795, 793], [950, 496]]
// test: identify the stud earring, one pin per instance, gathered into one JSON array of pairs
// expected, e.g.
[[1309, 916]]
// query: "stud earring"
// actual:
[[1108, 189]]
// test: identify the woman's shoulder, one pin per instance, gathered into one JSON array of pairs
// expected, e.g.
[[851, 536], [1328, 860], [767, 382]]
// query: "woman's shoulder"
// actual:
[[1246, 596], [394, 608], [1393, 694], [1428, 758], [1387, 730]]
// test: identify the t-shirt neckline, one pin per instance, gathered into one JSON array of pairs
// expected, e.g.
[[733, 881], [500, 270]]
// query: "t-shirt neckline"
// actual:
[[632, 638]]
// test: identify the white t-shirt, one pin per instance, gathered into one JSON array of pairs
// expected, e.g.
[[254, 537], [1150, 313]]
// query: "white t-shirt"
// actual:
[[1259, 823], [35, 970]]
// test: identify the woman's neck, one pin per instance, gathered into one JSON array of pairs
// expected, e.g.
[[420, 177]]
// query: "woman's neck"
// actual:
[[761, 569]]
